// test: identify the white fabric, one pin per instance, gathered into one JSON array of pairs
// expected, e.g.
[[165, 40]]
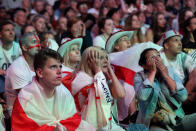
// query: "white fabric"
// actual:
[[99, 41], [52, 44], [33, 101], [18, 75], [7, 57], [93, 110], [67, 69], [129, 59], [189, 64], [93, 11], [2, 124]]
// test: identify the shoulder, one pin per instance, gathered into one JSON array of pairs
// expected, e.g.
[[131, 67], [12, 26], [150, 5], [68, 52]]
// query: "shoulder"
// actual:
[[17, 67]]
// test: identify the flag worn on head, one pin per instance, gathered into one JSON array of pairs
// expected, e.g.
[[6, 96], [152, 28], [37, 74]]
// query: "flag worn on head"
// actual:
[[125, 65], [31, 111]]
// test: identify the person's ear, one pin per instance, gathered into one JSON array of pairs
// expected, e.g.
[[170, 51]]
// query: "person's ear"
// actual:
[[166, 46], [188, 28], [116, 47], [24, 48], [39, 72]]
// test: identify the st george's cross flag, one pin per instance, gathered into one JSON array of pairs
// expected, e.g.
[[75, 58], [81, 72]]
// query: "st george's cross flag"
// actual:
[[125, 64], [33, 111]]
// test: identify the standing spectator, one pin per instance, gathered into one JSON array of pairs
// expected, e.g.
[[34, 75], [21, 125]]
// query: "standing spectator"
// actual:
[[45, 104], [106, 27], [157, 28], [95, 9], [21, 72]]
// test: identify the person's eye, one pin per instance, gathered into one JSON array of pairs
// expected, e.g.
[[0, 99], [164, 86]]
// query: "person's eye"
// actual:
[[53, 67]]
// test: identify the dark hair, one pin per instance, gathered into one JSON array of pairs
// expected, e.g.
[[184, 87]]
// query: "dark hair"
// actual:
[[111, 12], [24, 28], [142, 60], [43, 55], [5, 22], [101, 24], [36, 17], [128, 21], [181, 18]]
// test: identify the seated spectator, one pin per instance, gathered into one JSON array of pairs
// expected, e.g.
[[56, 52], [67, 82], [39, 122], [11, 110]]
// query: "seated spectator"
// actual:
[[60, 28], [157, 28], [182, 63], [70, 51], [76, 28], [160, 94], [133, 23], [93, 95], [39, 23], [21, 72], [27, 28], [106, 27], [120, 41], [9, 50], [45, 104], [47, 41], [189, 38]]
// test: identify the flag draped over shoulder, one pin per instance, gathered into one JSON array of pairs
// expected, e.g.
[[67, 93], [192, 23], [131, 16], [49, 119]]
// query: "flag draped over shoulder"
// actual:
[[31, 111], [125, 65]]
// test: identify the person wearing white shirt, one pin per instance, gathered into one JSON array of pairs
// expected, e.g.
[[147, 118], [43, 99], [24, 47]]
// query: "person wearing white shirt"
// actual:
[[21, 72]]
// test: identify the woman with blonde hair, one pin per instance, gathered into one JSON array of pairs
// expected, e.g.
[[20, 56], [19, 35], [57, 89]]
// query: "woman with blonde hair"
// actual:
[[92, 92], [70, 51]]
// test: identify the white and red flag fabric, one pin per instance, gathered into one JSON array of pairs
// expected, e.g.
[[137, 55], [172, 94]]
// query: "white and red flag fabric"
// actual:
[[93, 99], [125, 65], [34, 112]]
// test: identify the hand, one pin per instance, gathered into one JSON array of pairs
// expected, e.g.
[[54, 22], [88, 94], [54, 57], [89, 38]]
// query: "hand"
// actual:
[[160, 66], [94, 61], [2, 72], [151, 64]]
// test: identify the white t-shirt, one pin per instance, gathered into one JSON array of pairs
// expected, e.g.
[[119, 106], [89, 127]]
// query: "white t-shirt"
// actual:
[[99, 41], [18, 75], [65, 70], [182, 63], [8, 56]]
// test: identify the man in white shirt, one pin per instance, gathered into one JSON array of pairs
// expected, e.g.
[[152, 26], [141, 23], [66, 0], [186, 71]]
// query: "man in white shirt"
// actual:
[[21, 72], [45, 104], [181, 62]]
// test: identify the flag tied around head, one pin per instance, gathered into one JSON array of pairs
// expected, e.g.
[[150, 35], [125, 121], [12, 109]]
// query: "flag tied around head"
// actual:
[[125, 65]]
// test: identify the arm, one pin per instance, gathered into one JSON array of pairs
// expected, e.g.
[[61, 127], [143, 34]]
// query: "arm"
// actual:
[[164, 73], [142, 87], [116, 87], [149, 35]]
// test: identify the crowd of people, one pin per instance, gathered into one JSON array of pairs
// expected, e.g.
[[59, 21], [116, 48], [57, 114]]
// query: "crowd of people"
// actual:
[[98, 65]]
